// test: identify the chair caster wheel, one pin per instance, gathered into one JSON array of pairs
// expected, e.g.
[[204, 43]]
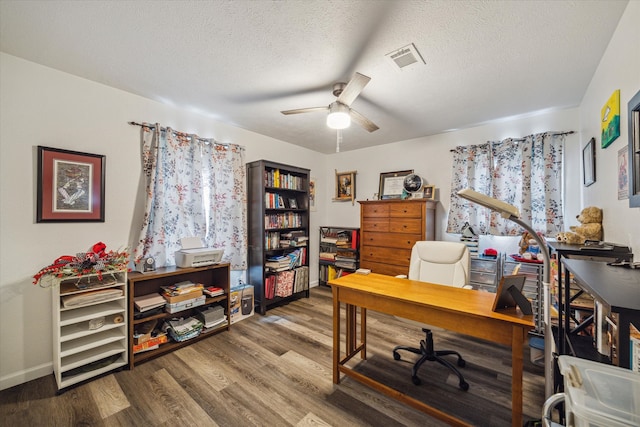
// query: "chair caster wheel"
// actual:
[[464, 386], [462, 363], [417, 381], [396, 355]]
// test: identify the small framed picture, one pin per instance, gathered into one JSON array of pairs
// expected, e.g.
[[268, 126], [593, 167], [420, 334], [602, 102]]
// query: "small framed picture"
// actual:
[[293, 203], [392, 184], [70, 186], [429, 192], [623, 173], [345, 186], [589, 163]]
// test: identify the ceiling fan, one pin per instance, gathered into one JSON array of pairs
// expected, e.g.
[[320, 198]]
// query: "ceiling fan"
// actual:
[[340, 111]]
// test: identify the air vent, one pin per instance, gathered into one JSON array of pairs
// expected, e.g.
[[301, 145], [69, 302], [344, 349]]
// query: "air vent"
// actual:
[[407, 56]]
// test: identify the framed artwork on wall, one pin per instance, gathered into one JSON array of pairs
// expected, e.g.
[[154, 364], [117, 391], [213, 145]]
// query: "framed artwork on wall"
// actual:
[[70, 186], [345, 186], [610, 119], [634, 151], [623, 174], [312, 194], [392, 184], [589, 163]]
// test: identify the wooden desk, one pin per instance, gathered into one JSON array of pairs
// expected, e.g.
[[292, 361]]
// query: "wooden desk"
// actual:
[[461, 310]]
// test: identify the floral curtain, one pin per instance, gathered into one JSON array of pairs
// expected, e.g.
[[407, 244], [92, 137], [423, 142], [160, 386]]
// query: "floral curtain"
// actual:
[[195, 187], [526, 173]]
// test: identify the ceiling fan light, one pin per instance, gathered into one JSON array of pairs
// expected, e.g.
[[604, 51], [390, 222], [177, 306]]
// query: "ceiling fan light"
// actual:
[[338, 117]]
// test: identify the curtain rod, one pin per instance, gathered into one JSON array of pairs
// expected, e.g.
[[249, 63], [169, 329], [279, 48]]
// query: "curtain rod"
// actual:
[[199, 138], [569, 132]]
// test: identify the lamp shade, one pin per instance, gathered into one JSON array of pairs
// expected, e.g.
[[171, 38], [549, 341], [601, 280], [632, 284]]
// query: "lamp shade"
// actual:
[[338, 117]]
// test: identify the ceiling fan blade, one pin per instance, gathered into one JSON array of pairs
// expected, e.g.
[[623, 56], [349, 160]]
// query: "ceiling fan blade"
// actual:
[[304, 110], [353, 88], [363, 121]]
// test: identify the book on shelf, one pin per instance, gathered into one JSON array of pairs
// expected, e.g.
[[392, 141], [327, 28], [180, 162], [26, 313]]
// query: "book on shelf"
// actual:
[[327, 256], [150, 344], [181, 288], [213, 291]]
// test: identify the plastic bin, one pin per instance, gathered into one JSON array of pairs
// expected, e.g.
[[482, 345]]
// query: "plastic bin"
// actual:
[[599, 395], [536, 349]]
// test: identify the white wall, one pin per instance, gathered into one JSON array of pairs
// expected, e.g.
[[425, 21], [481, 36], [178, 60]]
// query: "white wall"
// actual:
[[41, 106], [618, 69], [430, 157]]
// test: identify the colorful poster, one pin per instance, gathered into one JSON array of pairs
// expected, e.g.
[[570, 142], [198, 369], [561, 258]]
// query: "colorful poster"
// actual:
[[610, 119]]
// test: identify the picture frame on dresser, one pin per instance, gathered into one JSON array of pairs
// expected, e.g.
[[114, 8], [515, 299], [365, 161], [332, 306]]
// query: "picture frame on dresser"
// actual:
[[70, 186], [429, 192], [392, 184]]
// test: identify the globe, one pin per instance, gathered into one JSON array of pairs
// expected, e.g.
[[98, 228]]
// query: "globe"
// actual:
[[412, 183]]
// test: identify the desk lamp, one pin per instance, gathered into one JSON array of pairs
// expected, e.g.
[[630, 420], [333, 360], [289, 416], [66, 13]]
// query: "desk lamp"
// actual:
[[512, 213]]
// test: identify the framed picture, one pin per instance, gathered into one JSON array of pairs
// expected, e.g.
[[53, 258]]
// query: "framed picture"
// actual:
[[345, 186], [293, 203], [392, 184], [429, 192], [610, 120], [70, 186], [312, 194], [623, 174], [589, 163], [633, 157]]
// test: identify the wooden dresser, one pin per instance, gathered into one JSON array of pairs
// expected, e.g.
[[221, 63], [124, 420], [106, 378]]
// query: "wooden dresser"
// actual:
[[390, 228]]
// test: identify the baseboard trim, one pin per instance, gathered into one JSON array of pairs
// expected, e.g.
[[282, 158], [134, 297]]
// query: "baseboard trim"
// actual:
[[26, 375]]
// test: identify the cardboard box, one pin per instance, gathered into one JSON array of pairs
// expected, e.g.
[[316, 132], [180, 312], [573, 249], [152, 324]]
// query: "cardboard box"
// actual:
[[184, 297], [241, 302]]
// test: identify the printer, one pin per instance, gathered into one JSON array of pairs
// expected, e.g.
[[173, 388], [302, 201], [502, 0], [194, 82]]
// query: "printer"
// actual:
[[193, 254]]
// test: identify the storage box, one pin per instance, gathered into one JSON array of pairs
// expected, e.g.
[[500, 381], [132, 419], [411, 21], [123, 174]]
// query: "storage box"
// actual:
[[597, 394], [536, 349], [184, 305], [241, 302], [184, 297]]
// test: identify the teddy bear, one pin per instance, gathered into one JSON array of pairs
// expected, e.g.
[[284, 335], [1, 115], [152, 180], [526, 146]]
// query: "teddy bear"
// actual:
[[590, 228], [529, 247]]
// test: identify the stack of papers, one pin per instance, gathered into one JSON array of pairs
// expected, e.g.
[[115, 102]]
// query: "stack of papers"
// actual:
[[149, 302]]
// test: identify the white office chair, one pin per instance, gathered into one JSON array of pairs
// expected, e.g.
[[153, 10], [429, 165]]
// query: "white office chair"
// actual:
[[444, 263]]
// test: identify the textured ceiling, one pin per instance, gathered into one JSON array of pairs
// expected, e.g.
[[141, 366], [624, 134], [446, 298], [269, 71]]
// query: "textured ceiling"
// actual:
[[242, 62]]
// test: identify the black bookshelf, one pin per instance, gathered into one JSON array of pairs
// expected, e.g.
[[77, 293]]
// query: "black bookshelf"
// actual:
[[278, 218]]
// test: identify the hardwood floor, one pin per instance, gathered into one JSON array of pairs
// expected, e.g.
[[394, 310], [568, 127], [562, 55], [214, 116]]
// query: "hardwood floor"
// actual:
[[275, 370]]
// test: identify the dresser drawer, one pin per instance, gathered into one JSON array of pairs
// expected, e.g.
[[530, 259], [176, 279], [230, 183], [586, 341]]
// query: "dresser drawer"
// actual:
[[388, 269], [385, 255], [375, 210], [405, 225], [375, 224], [406, 210], [389, 240]]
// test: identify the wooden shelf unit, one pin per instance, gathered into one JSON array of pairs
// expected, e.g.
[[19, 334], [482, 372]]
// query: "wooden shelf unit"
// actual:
[[80, 352], [272, 187], [150, 282]]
